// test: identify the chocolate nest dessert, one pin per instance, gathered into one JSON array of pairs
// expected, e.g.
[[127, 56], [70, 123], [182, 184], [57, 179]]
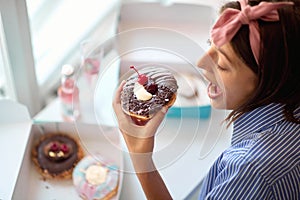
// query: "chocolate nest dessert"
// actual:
[[56, 155], [146, 92]]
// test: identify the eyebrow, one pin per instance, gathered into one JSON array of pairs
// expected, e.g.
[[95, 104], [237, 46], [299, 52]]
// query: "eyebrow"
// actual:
[[223, 53]]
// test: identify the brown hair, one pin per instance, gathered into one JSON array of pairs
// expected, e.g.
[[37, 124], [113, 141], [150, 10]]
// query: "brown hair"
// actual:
[[279, 63]]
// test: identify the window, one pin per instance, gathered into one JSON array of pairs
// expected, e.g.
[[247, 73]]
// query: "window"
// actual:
[[40, 36], [57, 29], [17, 55]]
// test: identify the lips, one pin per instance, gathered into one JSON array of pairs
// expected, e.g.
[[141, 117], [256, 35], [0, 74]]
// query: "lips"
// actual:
[[213, 91]]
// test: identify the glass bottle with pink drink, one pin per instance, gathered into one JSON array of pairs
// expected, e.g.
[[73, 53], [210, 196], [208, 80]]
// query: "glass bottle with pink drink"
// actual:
[[91, 57], [68, 94]]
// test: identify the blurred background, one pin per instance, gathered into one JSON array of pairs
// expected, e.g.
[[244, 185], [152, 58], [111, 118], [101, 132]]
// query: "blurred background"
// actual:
[[38, 36]]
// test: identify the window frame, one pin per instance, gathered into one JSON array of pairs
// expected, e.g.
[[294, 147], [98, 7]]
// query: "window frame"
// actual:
[[19, 53], [7, 85]]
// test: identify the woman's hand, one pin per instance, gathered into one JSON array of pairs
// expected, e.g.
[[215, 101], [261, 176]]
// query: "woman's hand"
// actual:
[[140, 143], [139, 139]]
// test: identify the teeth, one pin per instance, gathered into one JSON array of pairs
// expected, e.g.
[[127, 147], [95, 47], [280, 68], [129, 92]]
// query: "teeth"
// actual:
[[214, 90]]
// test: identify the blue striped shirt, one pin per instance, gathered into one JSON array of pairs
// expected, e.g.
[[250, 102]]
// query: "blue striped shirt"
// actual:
[[263, 161]]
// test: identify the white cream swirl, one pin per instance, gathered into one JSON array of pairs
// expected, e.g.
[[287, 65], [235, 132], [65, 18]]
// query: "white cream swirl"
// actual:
[[141, 93], [96, 174]]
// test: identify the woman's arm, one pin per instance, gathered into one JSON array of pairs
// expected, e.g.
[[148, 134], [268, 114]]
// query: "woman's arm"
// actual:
[[140, 144], [150, 179], [153, 185]]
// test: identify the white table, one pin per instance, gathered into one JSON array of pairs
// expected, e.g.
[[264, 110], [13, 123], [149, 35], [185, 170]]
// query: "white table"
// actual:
[[185, 148]]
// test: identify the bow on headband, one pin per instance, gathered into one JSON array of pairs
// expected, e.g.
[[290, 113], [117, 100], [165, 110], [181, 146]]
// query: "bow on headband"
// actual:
[[231, 21]]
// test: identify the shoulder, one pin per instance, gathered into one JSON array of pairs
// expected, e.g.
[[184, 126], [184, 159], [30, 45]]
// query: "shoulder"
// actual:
[[242, 172], [263, 163], [267, 159], [247, 182], [270, 152]]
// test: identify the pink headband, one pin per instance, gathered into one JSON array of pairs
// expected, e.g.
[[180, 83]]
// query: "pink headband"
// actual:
[[231, 21]]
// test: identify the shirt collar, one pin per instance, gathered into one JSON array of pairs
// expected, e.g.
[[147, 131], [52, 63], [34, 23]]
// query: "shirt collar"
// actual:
[[257, 120]]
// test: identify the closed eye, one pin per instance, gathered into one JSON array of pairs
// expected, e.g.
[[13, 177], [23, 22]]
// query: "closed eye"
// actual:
[[221, 68]]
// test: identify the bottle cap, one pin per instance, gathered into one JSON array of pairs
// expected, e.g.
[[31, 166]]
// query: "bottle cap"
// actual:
[[67, 70]]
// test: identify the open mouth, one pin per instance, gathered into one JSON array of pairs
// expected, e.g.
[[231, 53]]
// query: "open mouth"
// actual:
[[213, 91]]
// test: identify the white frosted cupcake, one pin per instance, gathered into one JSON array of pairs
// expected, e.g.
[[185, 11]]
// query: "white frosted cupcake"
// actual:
[[96, 178]]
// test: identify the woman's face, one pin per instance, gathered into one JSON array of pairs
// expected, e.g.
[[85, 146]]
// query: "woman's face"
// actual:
[[231, 81]]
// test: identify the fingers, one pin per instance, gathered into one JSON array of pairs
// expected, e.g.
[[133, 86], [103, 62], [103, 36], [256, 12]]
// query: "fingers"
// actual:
[[157, 119], [117, 101], [125, 122]]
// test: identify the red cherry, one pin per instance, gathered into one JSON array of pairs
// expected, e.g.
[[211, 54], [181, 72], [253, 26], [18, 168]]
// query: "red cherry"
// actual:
[[142, 78], [64, 148], [152, 88], [54, 146]]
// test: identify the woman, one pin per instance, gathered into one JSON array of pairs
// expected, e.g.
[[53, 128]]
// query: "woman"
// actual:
[[253, 67]]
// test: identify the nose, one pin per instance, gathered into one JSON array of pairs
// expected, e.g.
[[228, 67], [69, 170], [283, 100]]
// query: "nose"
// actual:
[[207, 61]]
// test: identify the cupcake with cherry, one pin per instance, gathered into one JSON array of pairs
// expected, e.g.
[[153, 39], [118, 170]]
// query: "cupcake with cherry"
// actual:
[[146, 92]]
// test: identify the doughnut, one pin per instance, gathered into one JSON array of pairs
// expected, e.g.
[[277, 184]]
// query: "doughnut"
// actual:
[[146, 92], [56, 154], [96, 178]]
